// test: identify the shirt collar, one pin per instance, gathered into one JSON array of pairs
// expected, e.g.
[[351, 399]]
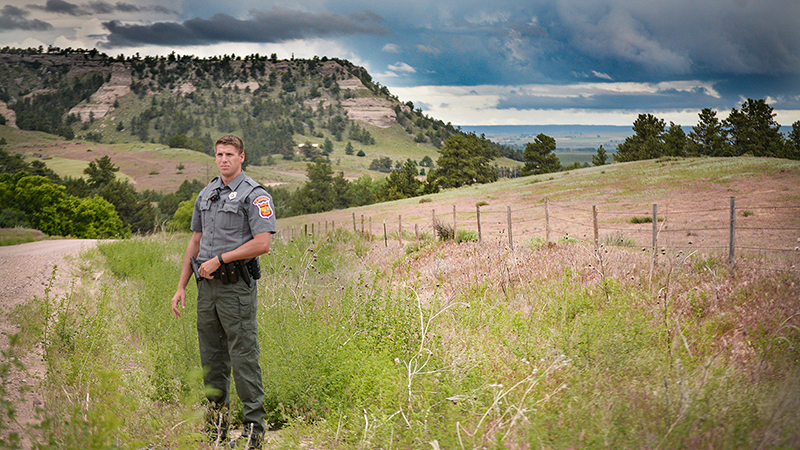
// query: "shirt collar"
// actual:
[[234, 184]]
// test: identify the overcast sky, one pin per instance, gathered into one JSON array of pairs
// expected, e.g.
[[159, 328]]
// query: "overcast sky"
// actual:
[[473, 62]]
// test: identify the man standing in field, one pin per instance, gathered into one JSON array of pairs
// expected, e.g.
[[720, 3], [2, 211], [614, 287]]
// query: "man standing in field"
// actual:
[[232, 224]]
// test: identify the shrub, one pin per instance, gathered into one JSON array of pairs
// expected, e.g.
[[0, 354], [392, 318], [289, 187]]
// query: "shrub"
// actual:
[[640, 219], [464, 235], [619, 240], [443, 230]]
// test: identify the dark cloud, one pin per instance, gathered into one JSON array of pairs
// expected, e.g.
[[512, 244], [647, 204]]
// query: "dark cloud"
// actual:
[[687, 36], [13, 18], [101, 7], [276, 25], [61, 7], [97, 7]]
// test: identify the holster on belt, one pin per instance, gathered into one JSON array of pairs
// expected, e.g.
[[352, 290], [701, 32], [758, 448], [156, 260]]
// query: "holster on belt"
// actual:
[[195, 269], [227, 273], [232, 271]]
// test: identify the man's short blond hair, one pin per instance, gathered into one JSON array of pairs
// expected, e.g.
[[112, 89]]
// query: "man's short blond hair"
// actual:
[[231, 139]]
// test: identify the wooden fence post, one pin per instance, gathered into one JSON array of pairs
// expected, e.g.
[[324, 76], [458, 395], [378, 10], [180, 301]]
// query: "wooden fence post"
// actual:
[[385, 236], [596, 230], [370, 228], [510, 238], [732, 244], [400, 229], [354, 222], [655, 231], [362, 225], [547, 220], [478, 207], [455, 224]]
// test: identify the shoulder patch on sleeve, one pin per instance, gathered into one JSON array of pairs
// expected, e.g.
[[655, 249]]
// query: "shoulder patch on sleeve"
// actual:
[[264, 207]]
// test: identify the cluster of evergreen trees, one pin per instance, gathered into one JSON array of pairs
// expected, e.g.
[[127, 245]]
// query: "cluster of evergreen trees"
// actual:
[[465, 159], [751, 130]]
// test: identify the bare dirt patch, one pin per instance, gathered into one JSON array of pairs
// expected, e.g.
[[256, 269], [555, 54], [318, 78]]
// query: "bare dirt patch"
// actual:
[[26, 270], [149, 169]]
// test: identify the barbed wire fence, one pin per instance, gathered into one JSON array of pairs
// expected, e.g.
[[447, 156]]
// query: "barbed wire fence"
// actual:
[[767, 235]]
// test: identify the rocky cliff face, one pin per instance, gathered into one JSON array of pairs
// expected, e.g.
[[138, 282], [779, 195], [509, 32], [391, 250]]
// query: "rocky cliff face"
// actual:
[[102, 101]]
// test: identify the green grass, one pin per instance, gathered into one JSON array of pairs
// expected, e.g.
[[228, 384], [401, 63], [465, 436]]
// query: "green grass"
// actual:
[[569, 158], [15, 236], [460, 344]]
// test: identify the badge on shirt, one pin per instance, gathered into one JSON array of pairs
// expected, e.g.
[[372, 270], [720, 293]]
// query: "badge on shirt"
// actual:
[[264, 208], [232, 195]]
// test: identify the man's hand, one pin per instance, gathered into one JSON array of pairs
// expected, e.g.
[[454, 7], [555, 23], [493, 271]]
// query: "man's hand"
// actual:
[[179, 297], [208, 268]]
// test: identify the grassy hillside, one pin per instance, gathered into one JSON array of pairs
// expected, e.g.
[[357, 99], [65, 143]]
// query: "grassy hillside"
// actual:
[[692, 193], [155, 166], [469, 345]]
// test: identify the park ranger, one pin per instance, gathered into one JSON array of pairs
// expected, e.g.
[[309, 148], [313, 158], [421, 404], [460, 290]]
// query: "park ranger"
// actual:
[[232, 224]]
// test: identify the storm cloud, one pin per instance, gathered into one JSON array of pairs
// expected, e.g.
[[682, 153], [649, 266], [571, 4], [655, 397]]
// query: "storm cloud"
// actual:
[[276, 25], [96, 7], [13, 18], [593, 58]]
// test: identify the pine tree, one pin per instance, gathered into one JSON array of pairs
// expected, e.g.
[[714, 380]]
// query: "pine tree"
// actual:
[[600, 158], [754, 131], [647, 141], [539, 156], [707, 137]]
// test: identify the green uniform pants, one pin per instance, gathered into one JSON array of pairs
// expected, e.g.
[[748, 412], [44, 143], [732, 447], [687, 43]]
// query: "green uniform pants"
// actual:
[[228, 333]]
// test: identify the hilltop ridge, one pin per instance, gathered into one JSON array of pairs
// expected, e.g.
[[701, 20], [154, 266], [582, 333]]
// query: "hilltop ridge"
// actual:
[[272, 103]]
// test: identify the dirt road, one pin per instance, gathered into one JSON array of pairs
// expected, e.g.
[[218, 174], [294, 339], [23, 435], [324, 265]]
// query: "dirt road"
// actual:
[[25, 271]]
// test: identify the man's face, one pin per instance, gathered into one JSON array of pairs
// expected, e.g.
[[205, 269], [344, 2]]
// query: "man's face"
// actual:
[[229, 160]]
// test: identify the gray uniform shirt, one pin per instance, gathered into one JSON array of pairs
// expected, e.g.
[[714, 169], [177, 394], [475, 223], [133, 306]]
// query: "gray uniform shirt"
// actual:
[[243, 209]]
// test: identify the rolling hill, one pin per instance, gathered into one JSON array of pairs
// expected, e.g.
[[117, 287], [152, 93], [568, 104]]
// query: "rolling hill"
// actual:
[[135, 109]]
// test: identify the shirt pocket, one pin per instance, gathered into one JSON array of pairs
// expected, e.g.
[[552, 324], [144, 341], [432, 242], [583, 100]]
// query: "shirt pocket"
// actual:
[[230, 217], [205, 206]]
